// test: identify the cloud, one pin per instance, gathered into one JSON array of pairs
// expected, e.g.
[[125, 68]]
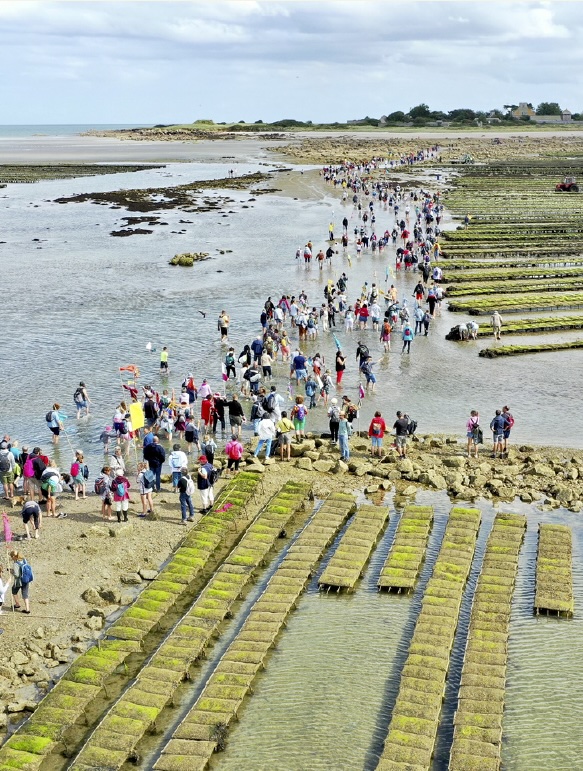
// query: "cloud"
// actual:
[[162, 61]]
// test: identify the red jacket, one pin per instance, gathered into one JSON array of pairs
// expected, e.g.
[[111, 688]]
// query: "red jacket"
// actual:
[[380, 422]]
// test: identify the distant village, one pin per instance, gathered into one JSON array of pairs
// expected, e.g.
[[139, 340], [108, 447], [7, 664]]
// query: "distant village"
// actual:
[[422, 115]]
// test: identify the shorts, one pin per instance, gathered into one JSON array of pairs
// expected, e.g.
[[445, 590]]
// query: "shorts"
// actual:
[[7, 477], [79, 480], [370, 378], [55, 429], [299, 425], [236, 420], [507, 434], [470, 434], [81, 405], [498, 438], [286, 438], [107, 500], [376, 441], [28, 515], [401, 441], [163, 365], [23, 589], [301, 374], [224, 331]]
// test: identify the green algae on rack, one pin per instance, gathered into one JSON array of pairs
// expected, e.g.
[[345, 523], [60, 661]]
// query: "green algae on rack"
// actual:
[[158, 680], [477, 739], [528, 326], [347, 562], [518, 350], [413, 727], [203, 730], [88, 674], [403, 563], [554, 571], [517, 304]]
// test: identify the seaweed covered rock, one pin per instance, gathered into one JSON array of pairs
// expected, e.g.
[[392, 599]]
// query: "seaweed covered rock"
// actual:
[[187, 259]]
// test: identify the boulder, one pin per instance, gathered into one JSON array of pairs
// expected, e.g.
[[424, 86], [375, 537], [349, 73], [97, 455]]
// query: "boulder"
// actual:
[[408, 491], [98, 531], [297, 450], [110, 595], [147, 575], [95, 623], [506, 492], [370, 489], [431, 478], [121, 530], [92, 596], [323, 466], [313, 455], [18, 659], [340, 467], [305, 463], [454, 461], [405, 466], [130, 578], [18, 706], [540, 470]]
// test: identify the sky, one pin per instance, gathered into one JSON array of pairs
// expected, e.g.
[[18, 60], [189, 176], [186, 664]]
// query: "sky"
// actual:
[[172, 62]]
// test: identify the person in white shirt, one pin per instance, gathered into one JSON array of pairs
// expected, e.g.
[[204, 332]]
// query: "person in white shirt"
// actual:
[[266, 434], [177, 462]]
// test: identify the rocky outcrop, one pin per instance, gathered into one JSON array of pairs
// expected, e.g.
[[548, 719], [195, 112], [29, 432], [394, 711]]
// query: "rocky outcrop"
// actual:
[[187, 259]]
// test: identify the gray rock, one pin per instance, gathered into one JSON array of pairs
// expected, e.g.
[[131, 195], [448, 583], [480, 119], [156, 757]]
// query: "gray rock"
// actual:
[[340, 467], [405, 466], [97, 531], [370, 489], [454, 461], [432, 479], [130, 578], [323, 466], [18, 659], [147, 575], [39, 633], [312, 455], [94, 623], [305, 463], [92, 596], [17, 706], [110, 595], [409, 490]]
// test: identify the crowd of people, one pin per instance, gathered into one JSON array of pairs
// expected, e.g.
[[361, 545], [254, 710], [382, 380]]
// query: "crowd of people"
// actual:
[[182, 423]]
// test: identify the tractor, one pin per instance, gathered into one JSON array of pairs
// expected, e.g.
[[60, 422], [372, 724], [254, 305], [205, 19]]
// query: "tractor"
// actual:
[[569, 185]]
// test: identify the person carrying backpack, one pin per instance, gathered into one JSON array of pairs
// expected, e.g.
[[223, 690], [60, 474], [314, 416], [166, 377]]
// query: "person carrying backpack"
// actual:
[[186, 489], [7, 467], [205, 480], [298, 415], [81, 400], [177, 461], [53, 420], [121, 498], [79, 475], [102, 488], [23, 577], [334, 420], [146, 480], [234, 453]]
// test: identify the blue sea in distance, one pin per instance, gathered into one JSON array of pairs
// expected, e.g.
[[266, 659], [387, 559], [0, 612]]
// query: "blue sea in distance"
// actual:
[[60, 129]]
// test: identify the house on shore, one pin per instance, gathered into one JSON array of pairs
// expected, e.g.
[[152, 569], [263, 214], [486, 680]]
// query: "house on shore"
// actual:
[[525, 109]]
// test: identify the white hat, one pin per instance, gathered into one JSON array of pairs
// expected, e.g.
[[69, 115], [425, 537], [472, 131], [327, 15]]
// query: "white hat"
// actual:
[[334, 401]]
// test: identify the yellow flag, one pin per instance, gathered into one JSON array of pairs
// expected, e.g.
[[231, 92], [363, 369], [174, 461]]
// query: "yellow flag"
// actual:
[[137, 416]]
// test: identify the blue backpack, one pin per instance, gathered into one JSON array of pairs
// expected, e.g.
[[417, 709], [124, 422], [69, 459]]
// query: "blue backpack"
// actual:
[[26, 574]]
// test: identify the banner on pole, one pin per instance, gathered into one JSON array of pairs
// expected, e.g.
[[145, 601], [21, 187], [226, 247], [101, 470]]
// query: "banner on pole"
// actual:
[[137, 416]]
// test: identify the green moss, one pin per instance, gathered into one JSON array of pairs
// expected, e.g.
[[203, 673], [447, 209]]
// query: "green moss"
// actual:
[[411, 740], [37, 745], [103, 759], [84, 675], [124, 725], [136, 711], [15, 759]]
